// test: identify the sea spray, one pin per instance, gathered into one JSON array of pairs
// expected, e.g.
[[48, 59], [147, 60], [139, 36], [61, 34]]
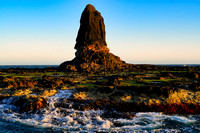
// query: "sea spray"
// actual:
[[53, 118]]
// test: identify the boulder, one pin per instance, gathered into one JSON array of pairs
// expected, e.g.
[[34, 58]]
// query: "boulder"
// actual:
[[28, 103]]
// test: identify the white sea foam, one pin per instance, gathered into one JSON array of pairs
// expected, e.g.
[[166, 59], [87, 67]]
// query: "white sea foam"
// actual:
[[182, 119], [106, 124], [92, 120]]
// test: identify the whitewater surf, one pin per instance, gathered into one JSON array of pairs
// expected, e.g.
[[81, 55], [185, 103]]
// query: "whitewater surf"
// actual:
[[58, 119]]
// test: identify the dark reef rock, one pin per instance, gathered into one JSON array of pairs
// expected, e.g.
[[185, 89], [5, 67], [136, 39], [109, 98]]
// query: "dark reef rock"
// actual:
[[92, 52], [3, 96], [30, 103]]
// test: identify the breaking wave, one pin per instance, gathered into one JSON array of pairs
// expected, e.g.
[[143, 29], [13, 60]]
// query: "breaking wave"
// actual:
[[53, 118]]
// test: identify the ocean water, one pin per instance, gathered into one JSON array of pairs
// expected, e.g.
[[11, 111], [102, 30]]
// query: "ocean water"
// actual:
[[26, 66], [46, 66], [58, 119]]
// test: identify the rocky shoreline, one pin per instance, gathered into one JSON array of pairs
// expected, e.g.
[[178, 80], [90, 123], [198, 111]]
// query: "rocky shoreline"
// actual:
[[101, 80], [141, 88]]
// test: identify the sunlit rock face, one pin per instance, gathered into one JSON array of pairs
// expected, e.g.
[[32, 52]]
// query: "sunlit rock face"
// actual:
[[92, 51]]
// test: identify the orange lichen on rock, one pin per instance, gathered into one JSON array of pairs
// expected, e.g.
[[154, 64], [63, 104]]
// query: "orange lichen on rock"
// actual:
[[80, 96], [125, 98]]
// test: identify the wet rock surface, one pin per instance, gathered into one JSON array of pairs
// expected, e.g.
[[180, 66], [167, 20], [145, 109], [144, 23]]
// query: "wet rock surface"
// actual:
[[3, 96], [26, 103]]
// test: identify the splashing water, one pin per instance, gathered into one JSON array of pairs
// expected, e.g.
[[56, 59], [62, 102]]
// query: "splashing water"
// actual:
[[53, 118]]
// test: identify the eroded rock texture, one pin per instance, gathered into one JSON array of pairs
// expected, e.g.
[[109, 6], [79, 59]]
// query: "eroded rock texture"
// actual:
[[92, 29], [92, 51]]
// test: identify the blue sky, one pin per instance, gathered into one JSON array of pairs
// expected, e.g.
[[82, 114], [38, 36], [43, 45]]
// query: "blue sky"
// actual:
[[43, 32]]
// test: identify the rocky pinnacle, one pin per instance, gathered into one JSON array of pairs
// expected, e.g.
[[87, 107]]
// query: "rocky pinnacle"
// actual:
[[92, 29], [92, 53]]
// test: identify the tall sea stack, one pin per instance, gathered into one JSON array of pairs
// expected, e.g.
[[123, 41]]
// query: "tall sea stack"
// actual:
[[92, 51], [92, 29]]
